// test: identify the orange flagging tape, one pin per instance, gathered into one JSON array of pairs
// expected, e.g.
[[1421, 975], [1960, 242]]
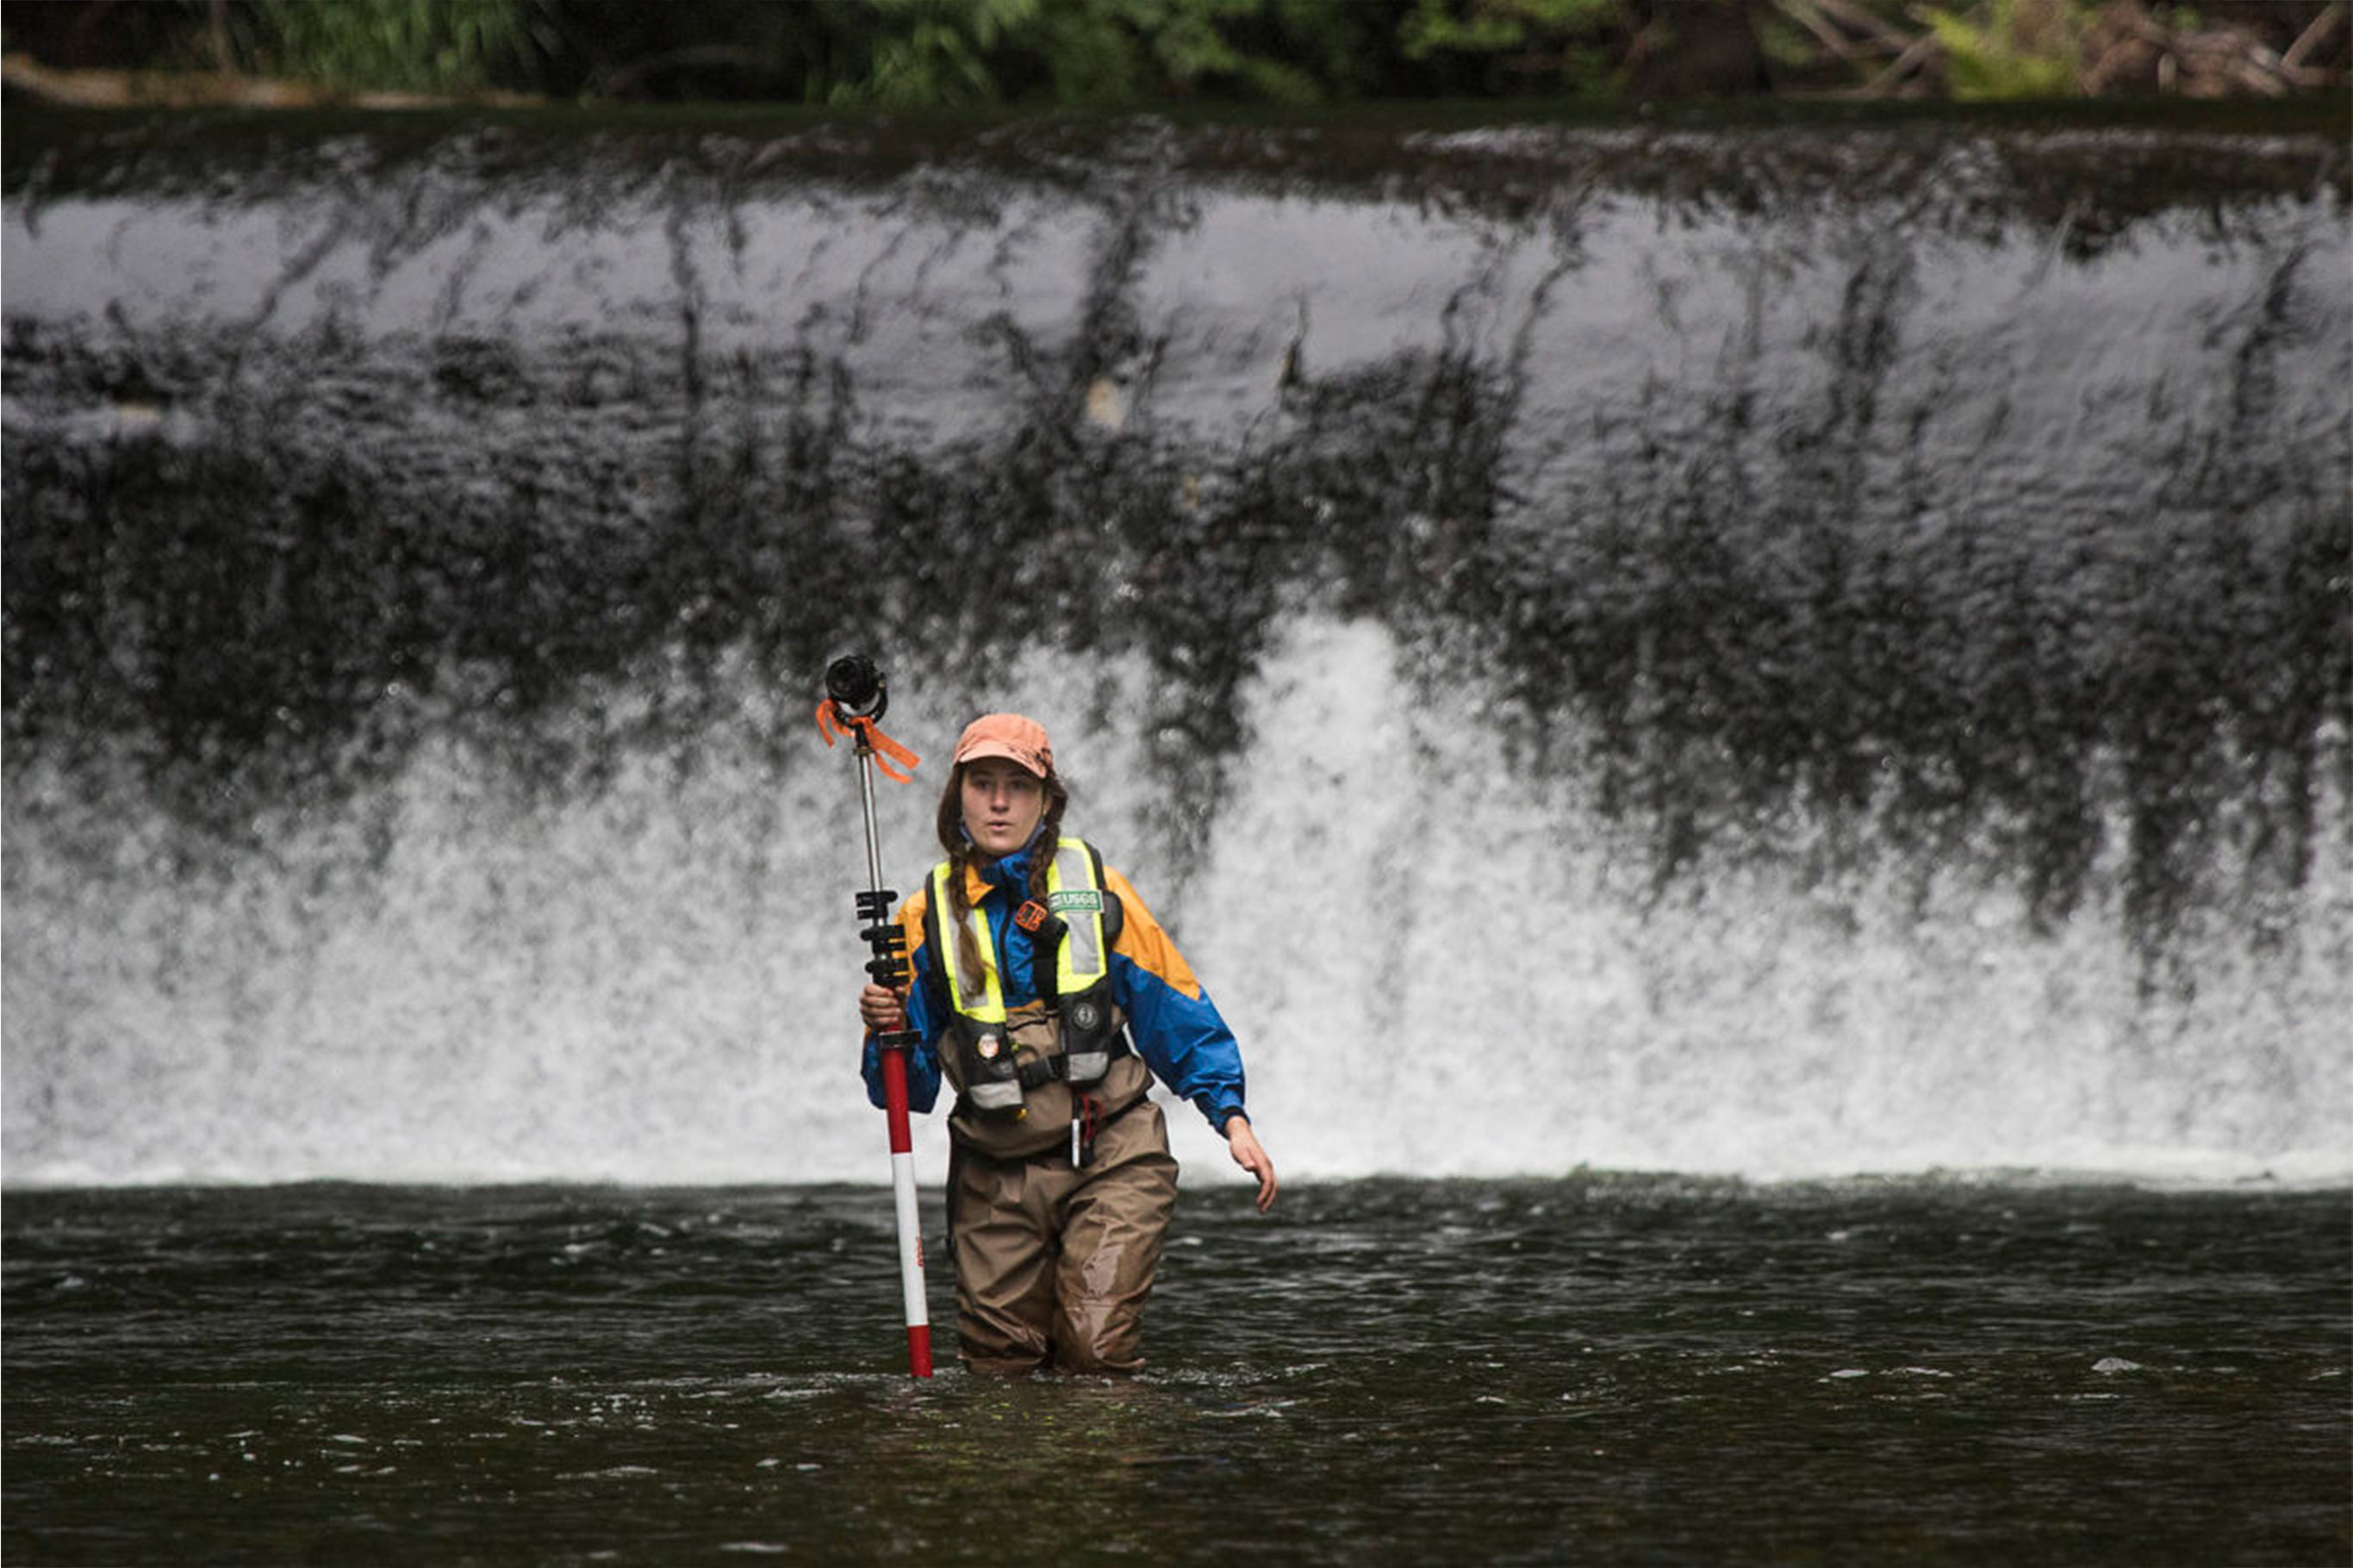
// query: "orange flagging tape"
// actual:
[[870, 738]]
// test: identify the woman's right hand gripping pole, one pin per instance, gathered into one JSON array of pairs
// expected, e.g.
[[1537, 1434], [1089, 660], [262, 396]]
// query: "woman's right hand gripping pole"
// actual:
[[880, 1008]]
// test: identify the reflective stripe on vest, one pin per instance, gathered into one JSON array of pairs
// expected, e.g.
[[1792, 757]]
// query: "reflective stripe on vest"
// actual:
[[1073, 894]]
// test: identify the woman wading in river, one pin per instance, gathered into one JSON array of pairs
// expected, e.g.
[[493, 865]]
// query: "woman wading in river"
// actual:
[[1048, 998]]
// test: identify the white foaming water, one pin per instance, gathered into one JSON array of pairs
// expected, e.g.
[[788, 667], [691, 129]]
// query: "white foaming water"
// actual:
[[1438, 966], [1454, 970]]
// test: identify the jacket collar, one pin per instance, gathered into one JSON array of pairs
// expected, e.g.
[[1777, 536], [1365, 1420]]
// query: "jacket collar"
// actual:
[[1008, 875]]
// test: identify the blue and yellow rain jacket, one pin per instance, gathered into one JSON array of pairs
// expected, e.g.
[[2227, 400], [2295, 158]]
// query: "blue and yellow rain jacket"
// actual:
[[1175, 1026]]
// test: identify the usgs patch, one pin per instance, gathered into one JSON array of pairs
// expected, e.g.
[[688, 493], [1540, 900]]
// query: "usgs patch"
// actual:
[[1085, 900]]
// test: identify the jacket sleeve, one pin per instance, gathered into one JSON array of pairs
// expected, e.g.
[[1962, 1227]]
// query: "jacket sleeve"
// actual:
[[1175, 1027], [924, 1015]]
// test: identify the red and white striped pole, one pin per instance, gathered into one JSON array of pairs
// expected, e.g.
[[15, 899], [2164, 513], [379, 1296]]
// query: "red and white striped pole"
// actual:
[[911, 1229], [855, 699]]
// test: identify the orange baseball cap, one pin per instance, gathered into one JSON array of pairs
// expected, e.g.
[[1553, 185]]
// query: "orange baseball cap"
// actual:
[[1007, 735]]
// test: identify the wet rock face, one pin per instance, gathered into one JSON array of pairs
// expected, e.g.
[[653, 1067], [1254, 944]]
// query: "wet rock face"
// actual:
[[1944, 488]]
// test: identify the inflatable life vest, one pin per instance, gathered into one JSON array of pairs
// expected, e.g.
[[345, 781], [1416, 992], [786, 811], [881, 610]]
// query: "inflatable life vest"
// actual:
[[1070, 938]]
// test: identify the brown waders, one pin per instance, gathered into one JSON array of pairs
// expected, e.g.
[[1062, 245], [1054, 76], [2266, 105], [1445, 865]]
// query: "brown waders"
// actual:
[[1053, 1260]]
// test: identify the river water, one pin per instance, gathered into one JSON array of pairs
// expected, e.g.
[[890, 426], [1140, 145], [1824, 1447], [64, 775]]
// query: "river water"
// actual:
[[1587, 1369]]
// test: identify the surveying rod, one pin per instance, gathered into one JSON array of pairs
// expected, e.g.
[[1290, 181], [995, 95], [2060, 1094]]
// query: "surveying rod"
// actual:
[[855, 699]]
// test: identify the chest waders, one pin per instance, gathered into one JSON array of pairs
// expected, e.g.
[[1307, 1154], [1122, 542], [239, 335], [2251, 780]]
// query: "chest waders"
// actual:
[[1071, 936]]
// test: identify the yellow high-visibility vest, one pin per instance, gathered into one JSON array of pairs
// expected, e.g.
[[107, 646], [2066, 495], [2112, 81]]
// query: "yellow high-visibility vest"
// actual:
[[1089, 1026], [1074, 895]]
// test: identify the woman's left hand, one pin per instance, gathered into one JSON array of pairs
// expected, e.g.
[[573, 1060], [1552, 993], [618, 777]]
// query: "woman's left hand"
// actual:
[[1243, 1145]]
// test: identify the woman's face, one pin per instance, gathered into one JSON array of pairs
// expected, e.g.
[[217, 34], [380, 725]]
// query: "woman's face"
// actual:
[[1002, 802]]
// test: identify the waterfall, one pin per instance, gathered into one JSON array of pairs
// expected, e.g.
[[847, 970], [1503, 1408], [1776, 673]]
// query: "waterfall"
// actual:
[[1764, 653]]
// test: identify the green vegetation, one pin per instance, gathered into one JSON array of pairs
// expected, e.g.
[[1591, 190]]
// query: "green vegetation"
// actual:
[[397, 46], [2011, 48], [1559, 43], [927, 53]]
